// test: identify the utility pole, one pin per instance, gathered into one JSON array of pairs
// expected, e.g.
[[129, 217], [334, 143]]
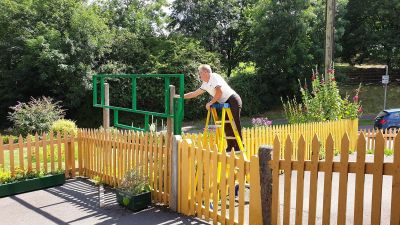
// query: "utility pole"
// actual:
[[329, 34]]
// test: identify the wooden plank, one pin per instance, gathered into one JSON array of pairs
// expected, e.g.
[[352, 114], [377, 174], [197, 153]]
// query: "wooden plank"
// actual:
[[11, 152], [255, 214], [360, 178], [241, 179], [66, 154], [377, 180], [231, 183], [44, 147], [275, 209], [192, 172], [344, 159], [395, 205], [199, 186], [2, 153], [59, 156], [288, 181], [51, 143], [165, 171], [215, 183], [156, 164], [146, 155], [72, 156], [160, 168], [313, 181], [28, 152], [151, 160], [114, 158], [37, 158], [185, 170], [223, 187], [300, 180], [206, 153], [21, 152], [326, 214]]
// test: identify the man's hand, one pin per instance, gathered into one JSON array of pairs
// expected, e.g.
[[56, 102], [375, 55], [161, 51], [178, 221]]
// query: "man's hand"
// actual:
[[208, 105]]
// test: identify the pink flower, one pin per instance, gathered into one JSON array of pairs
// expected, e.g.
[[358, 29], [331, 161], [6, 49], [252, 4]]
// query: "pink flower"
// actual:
[[355, 98], [269, 122], [313, 77], [333, 79], [331, 71], [360, 109]]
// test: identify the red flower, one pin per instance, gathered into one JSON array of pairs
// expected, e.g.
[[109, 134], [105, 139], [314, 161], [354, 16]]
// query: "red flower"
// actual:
[[331, 71], [360, 109], [355, 98], [333, 79]]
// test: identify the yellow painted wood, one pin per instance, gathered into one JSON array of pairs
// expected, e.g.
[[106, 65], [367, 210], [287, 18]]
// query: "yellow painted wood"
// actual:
[[241, 181], [21, 152], [37, 152], [11, 151], [360, 178], [377, 180], [275, 208], [288, 180], [255, 192], [28, 152], [231, 188], [313, 181], [344, 159], [395, 204], [326, 213], [300, 181]]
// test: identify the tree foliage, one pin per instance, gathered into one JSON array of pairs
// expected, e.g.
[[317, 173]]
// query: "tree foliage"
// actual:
[[220, 25], [372, 32]]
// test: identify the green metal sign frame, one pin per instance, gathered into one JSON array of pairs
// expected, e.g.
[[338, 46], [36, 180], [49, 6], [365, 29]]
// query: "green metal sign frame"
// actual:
[[178, 102]]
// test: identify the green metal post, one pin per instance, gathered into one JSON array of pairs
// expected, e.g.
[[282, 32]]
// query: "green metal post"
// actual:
[[115, 117], [94, 90], [102, 91], [166, 94], [134, 93], [146, 122]]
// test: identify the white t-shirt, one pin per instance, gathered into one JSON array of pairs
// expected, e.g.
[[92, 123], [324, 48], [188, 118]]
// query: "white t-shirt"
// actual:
[[215, 81]]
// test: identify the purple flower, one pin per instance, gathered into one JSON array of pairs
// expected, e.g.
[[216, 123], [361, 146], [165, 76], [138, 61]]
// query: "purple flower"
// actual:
[[269, 122]]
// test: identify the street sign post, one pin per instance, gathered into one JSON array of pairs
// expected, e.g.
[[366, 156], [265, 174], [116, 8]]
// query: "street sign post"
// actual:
[[385, 82]]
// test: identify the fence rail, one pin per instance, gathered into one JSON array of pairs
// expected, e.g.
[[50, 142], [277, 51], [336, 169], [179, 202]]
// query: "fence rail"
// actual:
[[320, 174], [44, 153], [109, 155]]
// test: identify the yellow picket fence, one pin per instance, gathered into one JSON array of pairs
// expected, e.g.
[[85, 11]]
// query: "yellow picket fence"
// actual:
[[204, 194], [370, 135], [256, 136], [45, 153], [333, 177], [109, 155]]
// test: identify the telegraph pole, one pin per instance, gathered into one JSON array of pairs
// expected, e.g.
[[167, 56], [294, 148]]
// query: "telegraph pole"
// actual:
[[329, 34]]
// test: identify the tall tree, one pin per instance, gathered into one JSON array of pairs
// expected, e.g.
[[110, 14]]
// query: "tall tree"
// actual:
[[282, 43], [372, 33], [221, 26]]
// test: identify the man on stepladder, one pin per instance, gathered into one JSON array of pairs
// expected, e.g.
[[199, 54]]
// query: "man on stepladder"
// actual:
[[221, 92]]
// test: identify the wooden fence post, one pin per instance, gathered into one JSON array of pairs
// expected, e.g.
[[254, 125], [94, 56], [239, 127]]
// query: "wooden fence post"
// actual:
[[106, 111], [173, 197], [264, 156]]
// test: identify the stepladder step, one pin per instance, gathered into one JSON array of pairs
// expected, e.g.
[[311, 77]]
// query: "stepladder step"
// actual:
[[219, 121]]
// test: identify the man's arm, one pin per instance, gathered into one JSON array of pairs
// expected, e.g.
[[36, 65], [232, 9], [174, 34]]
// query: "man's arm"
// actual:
[[217, 96], [194, 94]]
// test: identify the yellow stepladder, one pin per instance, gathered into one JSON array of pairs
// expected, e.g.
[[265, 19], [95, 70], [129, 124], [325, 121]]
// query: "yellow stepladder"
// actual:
[[220, 125], [220, 133]]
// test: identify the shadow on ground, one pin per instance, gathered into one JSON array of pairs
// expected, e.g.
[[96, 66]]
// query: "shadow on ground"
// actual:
[[77, 202]]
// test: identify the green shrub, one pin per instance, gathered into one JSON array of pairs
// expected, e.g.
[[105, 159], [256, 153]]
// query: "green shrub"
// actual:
[[64, 126], [35, 116], [7, 138], [323, 103]]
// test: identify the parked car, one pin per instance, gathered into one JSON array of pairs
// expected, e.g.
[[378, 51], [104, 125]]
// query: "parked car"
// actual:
[[388, 119]]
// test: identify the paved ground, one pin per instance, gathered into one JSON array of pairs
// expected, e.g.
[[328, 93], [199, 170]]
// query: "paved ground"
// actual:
[[77, 202]]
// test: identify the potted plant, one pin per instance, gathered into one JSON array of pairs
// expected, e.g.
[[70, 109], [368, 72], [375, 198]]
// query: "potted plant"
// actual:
[[23, 181], [134, 192]]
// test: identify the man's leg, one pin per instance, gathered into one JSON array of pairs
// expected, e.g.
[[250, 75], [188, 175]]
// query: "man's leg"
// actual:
[[235, 104]]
